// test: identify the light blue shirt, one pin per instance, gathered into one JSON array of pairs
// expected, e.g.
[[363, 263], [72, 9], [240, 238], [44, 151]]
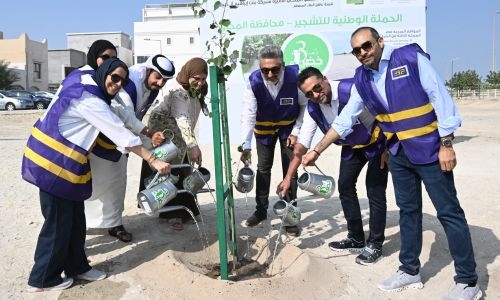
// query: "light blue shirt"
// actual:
[[447, 114]]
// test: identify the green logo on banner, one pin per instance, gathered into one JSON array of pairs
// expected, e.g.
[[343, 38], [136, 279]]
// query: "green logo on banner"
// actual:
[[307, 50]]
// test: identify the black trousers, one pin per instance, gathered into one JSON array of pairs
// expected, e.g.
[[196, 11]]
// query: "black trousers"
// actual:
[[61, 242], [376, 184], [265, 159]]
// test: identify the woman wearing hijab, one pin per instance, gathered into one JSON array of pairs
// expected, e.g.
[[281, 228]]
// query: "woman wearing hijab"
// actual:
[[105, 207], [56, 161], [179, 112]]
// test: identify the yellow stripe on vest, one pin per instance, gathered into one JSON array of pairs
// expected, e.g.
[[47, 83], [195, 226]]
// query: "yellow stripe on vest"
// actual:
[[405, 114], [266, 132], [280, 123], [55, 169], [58, 146], [411, 133], [373, 138], [105, 145]]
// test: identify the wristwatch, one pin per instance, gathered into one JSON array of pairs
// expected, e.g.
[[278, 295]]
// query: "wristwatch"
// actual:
[[447, 141]]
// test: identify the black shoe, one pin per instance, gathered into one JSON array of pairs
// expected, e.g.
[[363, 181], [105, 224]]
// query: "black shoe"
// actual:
[[348, 244], [292, 231], [370, 255], [254, 220]]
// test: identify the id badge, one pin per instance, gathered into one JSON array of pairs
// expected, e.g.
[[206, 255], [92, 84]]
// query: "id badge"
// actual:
[[286, 101]]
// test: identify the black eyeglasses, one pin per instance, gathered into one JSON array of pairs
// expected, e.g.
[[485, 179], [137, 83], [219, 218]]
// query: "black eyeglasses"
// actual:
[[317, 88], [274, 70], [117, 78], [367, 46], [106, 56]]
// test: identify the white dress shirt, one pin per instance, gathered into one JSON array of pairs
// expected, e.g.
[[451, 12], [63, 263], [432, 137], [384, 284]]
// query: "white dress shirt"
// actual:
[[89, 115], [330, 112]]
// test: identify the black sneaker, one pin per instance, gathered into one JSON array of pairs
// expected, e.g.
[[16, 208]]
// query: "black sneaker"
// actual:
[[254, 220], [348, 244], [370, 255]]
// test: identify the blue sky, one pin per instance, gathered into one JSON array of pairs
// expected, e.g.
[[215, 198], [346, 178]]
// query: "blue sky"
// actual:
[[458, 30]]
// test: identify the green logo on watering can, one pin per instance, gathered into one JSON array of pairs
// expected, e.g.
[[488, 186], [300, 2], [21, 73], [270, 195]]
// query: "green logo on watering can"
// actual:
[[325, 187], [307, 50], [160, 195], [161, 154]]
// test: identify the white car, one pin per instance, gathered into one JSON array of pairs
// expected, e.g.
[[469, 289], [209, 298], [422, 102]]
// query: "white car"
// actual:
[[8, 102]]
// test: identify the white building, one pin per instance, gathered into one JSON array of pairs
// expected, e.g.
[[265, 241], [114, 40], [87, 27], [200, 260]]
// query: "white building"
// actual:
[[82, 42], [170, 29]]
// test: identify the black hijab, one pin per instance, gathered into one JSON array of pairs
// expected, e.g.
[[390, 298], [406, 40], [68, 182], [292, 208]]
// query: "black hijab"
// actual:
[[96, 49], [106, 68]]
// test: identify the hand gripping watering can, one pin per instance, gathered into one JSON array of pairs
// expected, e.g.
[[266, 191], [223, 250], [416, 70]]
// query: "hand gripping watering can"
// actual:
[[156, 195], [244, 182], [196, 180], [167, 151], [290, 215], [318, 184]]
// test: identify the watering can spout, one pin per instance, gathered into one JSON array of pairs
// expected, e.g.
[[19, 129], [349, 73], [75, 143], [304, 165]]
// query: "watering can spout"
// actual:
[[289, 213]]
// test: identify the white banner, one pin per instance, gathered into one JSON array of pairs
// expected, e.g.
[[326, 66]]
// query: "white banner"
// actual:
[[311, 33]]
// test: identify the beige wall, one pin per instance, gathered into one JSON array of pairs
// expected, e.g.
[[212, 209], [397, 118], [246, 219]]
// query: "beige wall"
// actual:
[[22, 54]]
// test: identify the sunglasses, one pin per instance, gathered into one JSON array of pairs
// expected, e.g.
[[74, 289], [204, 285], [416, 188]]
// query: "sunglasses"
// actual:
[[116, 79], [274, 70], [367, 46], [318, 88], [106, 56]]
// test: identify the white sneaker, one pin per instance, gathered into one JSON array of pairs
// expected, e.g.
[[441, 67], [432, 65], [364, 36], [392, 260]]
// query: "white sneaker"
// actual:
[[463, 291], [67, 282], [92, 275], [401, 281]]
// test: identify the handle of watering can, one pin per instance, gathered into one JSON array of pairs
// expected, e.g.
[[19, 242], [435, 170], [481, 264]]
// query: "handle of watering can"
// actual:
[[319, 170], [154, 180], [171, 133]]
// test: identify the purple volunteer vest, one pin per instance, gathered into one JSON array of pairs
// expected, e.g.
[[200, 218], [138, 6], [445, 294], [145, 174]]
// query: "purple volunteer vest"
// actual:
[[367, 140], [50, 161], [409, 120], [275, 118]]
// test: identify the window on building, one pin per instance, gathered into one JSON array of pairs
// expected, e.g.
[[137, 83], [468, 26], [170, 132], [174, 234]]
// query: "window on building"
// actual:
[[37, 70], [169, 41], [191, 40], [141, 59]]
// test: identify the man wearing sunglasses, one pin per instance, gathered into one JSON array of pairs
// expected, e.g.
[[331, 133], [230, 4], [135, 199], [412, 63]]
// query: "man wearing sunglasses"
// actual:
[[273, 107], [364, 145], [418, 116]]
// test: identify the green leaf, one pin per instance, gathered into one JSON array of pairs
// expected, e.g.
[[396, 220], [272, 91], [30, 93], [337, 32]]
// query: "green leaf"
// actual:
[[202, 13], [227, 70], [217, 4], [225, 22], [235, 54]]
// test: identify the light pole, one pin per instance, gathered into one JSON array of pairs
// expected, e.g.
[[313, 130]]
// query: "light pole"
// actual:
[[155, 40], [494, 38], [452, 60]]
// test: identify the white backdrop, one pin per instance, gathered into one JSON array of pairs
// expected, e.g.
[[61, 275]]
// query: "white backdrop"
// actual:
[[311, 33]]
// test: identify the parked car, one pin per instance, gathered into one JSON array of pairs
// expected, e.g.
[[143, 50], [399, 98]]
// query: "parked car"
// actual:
[[40, 101], [44, 94], [9, 102]]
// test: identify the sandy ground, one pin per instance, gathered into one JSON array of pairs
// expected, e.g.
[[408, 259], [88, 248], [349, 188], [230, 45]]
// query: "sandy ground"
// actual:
[[162, 263]]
